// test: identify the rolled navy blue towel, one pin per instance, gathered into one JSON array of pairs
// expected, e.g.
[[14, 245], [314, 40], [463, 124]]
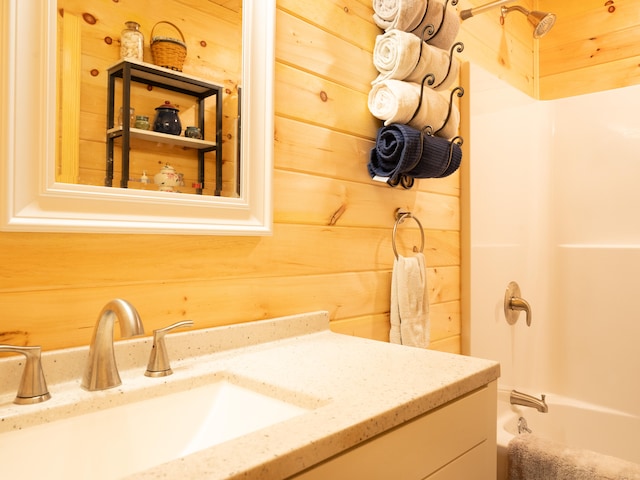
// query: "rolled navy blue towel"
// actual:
[[403, 150]]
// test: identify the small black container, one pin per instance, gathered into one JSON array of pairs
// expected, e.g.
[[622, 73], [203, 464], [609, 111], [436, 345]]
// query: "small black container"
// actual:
[[167, 119]]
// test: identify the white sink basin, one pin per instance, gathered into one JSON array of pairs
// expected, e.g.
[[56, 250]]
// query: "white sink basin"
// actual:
[[125, 439]]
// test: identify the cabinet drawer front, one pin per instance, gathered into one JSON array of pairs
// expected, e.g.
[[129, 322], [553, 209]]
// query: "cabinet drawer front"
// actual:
[[420, 447], [476, 464]]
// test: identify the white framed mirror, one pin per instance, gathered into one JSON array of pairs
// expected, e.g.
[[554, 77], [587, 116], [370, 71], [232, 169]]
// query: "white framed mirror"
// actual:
[[32, 199]]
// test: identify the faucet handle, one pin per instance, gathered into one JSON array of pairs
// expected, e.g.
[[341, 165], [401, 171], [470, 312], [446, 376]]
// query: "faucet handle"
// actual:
[[33, 387], [514, 304], [159, 365]]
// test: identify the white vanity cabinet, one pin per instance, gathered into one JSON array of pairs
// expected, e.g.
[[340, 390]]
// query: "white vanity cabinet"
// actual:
[[454, 442]]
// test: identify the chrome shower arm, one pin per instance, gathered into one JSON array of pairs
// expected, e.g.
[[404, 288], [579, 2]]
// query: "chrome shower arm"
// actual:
[[464, 14], [505, 10], [541, 21]]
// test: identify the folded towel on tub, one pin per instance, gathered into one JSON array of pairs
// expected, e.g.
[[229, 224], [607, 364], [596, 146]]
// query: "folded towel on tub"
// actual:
[[409, 302], [414, 15], [396, 101], [532, 457], [398, 55], [403, 150]]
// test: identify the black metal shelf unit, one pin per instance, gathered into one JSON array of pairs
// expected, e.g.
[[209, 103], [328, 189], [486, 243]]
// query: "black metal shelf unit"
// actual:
[[130, 71]]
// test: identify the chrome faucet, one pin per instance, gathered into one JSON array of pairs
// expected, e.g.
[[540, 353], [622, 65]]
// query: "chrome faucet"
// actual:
[[33, 387], [101, 371], [519, 398]]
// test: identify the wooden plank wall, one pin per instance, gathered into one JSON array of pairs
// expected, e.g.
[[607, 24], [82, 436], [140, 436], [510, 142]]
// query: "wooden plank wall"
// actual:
[[506, 50], [594, 46], [331, 246]]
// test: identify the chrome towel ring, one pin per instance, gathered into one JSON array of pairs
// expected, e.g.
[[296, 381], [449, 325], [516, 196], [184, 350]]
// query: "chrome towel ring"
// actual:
[[401, 216]]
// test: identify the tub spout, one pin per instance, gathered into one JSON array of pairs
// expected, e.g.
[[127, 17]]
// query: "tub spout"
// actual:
[[519, 398]]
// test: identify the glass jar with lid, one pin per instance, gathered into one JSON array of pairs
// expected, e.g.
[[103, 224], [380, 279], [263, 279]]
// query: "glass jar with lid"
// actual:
[[142, 122], [132, 117], [131, 42]]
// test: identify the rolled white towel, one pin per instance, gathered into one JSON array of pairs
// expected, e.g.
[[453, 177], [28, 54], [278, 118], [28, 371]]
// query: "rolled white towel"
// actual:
[[396, 101], [445, 22], [401, 14], [397, 55]]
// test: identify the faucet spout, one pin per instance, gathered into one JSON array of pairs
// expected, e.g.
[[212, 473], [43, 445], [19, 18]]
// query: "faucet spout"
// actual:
[[519, 398], [101, 371]]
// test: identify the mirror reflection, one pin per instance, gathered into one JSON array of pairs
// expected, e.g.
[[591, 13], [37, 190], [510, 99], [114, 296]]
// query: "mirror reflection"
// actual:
[[148, 95]]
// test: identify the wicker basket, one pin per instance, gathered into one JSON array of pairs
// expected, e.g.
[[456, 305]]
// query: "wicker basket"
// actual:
[[168, 52]]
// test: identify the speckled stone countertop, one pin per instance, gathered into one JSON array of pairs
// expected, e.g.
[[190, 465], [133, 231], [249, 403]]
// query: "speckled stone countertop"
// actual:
[[353, 388]]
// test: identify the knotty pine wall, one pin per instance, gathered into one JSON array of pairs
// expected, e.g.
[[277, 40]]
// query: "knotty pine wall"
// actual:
[[594, 46], [508, 51], [331, 245]]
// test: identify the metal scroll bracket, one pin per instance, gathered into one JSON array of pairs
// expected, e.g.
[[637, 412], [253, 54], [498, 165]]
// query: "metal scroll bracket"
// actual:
[[433, 31]]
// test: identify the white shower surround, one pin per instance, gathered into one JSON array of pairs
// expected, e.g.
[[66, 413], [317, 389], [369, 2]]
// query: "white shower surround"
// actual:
[[555, 206]]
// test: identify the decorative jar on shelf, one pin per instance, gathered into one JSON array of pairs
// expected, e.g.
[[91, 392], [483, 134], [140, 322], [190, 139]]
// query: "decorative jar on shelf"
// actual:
[[167, 119], [193, 132], [167, 178], [132, 42], [132, 117], [142, 122]]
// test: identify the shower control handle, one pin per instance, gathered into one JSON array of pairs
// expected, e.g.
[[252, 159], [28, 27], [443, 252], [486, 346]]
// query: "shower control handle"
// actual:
[[514, 304]]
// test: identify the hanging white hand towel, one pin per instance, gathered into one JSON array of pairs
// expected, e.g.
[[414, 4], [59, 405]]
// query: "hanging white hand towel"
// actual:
[[394, 314], [410, 302]]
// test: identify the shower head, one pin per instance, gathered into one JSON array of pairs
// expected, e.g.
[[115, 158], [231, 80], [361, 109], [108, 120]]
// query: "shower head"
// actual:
[[541, 21]]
